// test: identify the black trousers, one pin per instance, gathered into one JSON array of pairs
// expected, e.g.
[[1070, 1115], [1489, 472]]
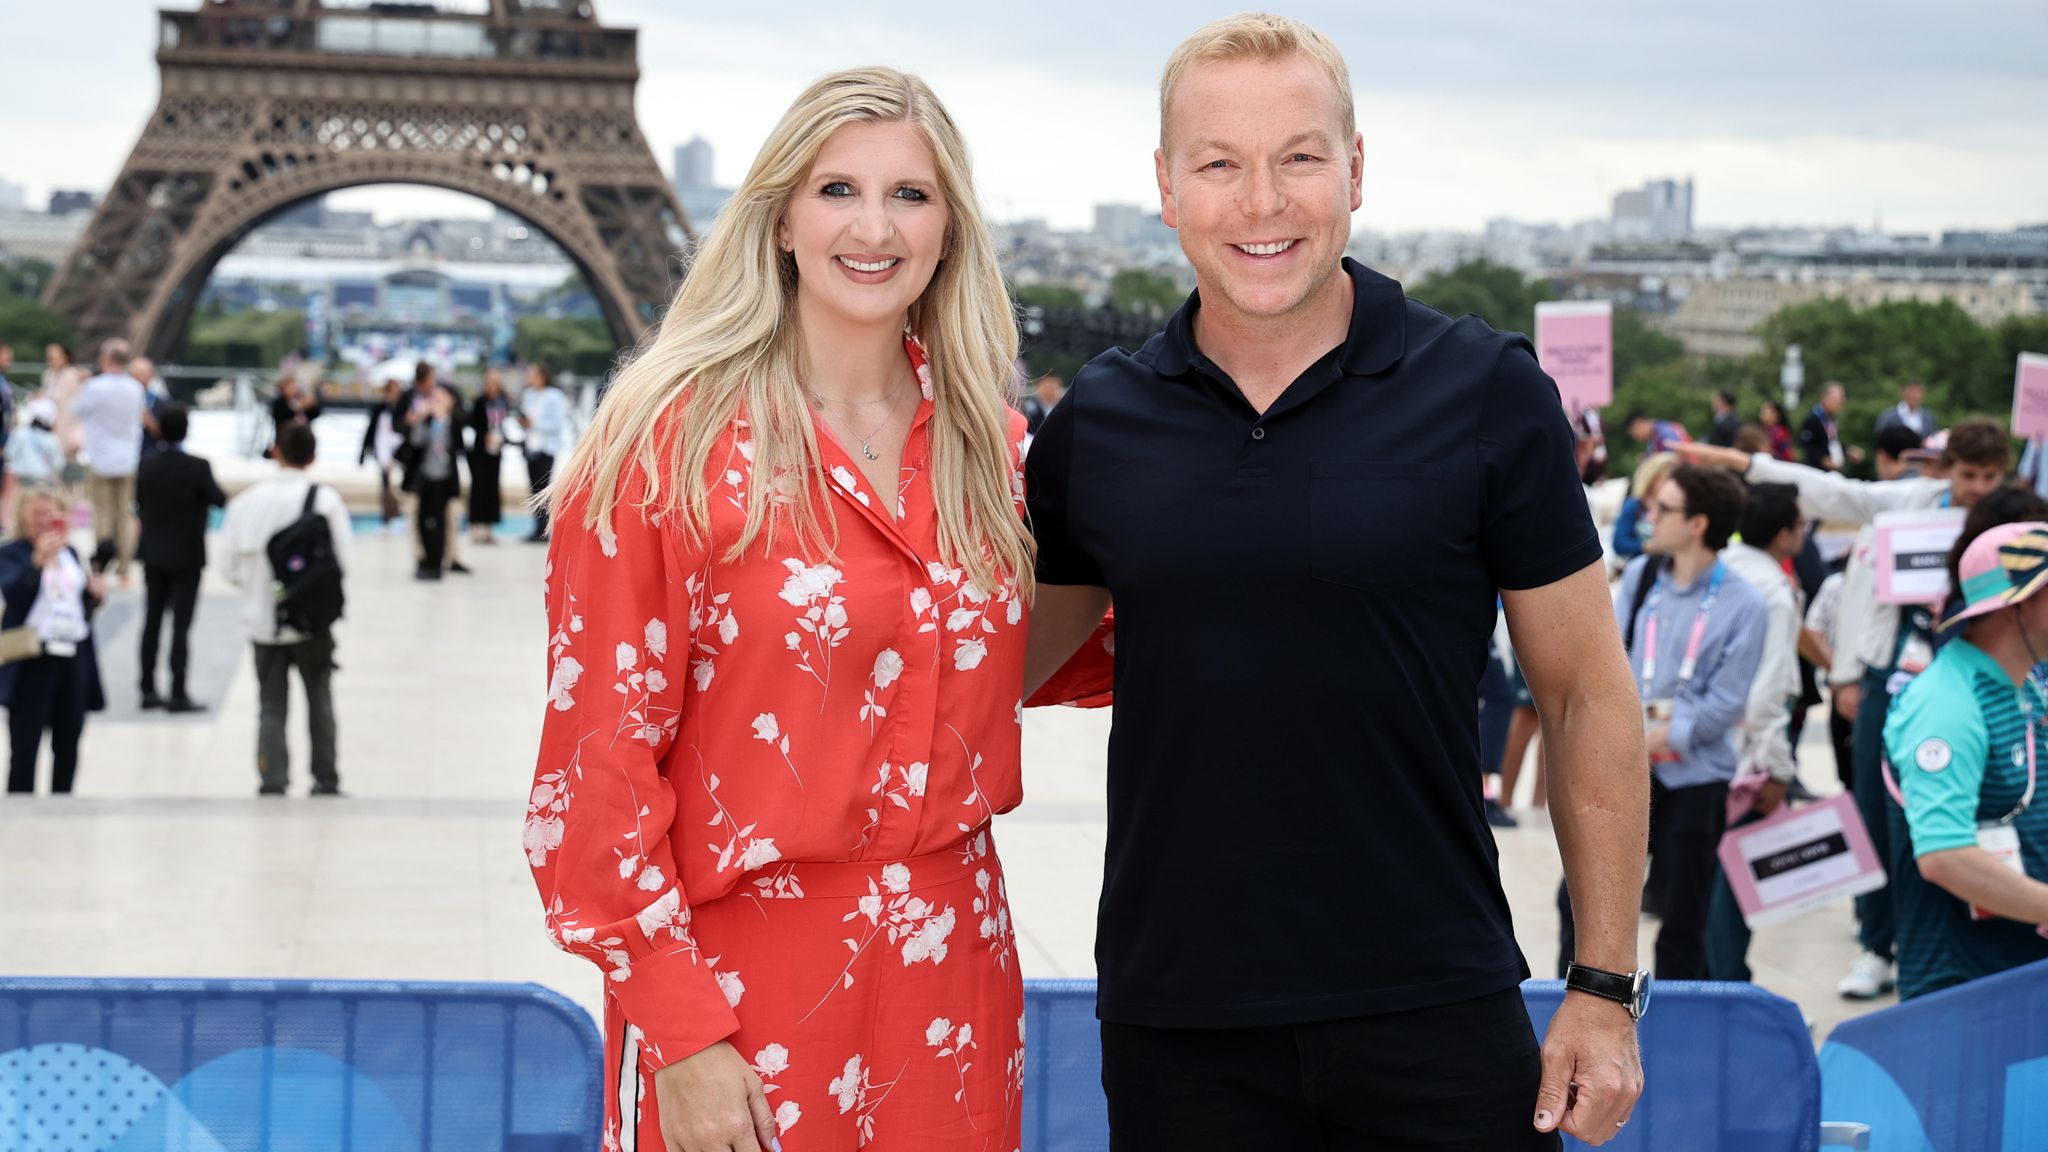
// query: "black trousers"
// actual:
[[1686, 825], [179, 592], [540, 470], [313, 659], [433, 525], [48, 696], [1457, 1078]]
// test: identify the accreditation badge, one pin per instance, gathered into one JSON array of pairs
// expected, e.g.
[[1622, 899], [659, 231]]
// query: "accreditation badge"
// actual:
[[2001, 842]]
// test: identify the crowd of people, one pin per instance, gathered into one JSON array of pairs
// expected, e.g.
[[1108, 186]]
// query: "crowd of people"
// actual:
[[114, 441], [1737, 626]]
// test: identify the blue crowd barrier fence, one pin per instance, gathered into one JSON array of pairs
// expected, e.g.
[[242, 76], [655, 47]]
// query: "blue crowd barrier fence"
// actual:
[[295, 1066], [306, 1066], [1962, 1070]]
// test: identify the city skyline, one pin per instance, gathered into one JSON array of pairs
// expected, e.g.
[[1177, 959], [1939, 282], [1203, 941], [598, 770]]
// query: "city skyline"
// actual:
[[1822, 115]]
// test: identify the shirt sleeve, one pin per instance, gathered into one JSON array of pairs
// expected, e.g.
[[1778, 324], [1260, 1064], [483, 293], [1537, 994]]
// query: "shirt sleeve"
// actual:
[[600, 809], [1536, 528], [1048, 469], [1937, 751], [1827, 495], [1768, 715]]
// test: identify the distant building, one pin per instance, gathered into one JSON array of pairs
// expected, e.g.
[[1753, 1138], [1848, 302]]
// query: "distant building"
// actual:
[[701, 199], [693, 164], [40, 236], [1130, 226], [1658, 212], [13, 197], [1721, 317], [64, 202]]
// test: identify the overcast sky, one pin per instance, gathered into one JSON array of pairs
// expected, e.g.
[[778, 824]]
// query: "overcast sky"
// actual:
[[1785, 111]]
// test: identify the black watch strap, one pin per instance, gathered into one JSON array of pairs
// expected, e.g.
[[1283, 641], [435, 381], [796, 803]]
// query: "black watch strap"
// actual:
[[1618, 987]]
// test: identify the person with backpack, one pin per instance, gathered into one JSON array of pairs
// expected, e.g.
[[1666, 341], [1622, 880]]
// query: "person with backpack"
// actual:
[[287, 541]]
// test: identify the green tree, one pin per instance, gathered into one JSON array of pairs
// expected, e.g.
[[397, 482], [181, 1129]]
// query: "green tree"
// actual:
[[580, 344], [24, 322], [1873, 351], [1493, 292], [1047, 296], [1137, 290]]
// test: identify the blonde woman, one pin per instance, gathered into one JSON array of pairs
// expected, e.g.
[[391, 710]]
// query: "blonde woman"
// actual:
[[787, 595], [48, 587]]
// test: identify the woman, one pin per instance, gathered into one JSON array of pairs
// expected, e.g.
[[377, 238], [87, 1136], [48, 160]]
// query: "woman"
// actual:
[[62, 381], [48, 589], [1630, 529], [1772, 417], [380, 442], [787, 594], [486, 448], [544, 415]]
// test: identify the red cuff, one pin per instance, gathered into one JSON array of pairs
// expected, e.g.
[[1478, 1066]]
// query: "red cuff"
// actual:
[[676, 1003], [1087, 680]]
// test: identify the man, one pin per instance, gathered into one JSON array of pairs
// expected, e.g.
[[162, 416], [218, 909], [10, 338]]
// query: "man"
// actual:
[[109, 411], [1966, 742], [1910, 413], [1696, 637], [1895, 444], [174, 493], [154, 396], [293, 404], [1772, 534], [1879, 647], [431, 424], [1727, 422], [1820, 434], [433, 429], [544, 412], [1656, 436], [254, 517], [1045, 392], [1305, 496]]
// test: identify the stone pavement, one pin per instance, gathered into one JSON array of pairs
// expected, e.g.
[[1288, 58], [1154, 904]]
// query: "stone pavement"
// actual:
[[165, 863]]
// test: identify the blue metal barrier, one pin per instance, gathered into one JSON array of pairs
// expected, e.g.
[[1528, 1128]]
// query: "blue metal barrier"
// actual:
[[295, 1066], [1729, 1067], [1962, 1070]]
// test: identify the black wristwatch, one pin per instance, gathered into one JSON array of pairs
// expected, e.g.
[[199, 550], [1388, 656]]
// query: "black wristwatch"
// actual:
[[1631, 991]]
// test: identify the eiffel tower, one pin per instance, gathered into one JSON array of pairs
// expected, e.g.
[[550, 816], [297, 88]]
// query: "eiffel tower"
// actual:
[[266, 103]]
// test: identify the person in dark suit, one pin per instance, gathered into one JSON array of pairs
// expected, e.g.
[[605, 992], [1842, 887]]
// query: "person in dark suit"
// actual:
[[431, 424], [174, 492], [48, 587]]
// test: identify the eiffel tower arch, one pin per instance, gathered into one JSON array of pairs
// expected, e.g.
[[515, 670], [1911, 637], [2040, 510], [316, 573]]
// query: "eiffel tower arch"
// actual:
[[267, 103]]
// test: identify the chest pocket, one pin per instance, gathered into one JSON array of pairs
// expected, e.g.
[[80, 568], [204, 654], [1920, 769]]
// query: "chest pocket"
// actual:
[[1373, 524]]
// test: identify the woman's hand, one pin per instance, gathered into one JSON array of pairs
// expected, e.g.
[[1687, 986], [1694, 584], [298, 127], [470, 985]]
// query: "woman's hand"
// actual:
[[47, 546], [713, 1102]]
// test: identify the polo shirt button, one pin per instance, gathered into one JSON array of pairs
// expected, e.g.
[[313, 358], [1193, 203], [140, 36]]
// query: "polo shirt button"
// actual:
[[1258, 433]]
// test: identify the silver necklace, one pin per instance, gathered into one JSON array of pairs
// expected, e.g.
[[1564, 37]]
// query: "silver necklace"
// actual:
[[867, 441]]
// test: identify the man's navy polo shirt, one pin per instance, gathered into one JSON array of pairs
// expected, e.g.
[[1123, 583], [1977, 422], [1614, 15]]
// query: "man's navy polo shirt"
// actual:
[[1303, 603]]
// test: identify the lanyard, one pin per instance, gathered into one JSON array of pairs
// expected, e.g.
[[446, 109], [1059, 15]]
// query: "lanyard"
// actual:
[[1689, 663]]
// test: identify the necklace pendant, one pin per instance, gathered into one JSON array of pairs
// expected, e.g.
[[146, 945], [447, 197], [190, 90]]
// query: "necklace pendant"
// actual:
[[868, 452]]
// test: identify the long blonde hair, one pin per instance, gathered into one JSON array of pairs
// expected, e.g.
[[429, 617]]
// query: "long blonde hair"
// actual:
[[729, 344]]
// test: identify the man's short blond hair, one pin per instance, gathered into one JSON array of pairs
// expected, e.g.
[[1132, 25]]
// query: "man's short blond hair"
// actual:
[[1258, 36]]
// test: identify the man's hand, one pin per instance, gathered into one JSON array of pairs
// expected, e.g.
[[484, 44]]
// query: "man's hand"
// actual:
[[1711, 456], [1848, 698], [1856, 455], [1658, 738], [1592, 1070], [713, 1102], [1771, 795]]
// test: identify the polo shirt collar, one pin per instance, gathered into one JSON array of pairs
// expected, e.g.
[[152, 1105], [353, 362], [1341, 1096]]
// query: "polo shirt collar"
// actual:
[[1378, 335]]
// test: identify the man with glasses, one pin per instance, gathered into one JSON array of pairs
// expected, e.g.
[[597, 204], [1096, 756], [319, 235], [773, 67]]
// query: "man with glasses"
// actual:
[[1696, 638]]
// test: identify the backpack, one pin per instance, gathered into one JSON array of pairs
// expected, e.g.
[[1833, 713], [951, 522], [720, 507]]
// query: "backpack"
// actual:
[[306, 577], [1651, 567]]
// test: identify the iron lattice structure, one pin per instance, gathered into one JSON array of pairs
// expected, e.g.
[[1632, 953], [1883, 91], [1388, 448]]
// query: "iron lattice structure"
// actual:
[[266, 104]]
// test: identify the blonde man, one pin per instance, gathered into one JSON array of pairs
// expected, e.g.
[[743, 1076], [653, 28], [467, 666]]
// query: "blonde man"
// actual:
[[1305, 495]]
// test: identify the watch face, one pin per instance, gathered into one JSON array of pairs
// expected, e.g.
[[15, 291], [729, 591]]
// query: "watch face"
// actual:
[[1642, 995]]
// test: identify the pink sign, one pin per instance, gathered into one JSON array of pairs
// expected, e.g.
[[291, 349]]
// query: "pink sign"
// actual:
[[2030, 396], [1575, 344], [1799, 858], [1912, 554]]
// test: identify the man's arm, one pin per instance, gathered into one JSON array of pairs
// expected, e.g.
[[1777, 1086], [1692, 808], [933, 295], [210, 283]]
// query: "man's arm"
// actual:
[[1570, 652], [1823, 495], [1768, 713], [1973, 876], [1062, 618]]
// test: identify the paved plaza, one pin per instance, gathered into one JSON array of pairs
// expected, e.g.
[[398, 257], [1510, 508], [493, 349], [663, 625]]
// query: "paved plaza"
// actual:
[[165, 863]]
